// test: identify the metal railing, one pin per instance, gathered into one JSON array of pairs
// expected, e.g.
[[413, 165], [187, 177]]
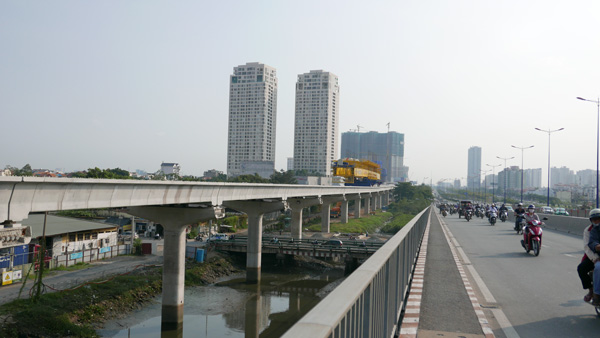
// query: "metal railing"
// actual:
[[369, 302]]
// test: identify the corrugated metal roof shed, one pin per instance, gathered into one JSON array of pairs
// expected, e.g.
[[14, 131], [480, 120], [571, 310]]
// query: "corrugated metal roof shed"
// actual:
[[56, 225]]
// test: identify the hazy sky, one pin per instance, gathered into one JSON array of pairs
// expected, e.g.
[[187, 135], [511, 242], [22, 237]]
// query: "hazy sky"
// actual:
[[130, 84]]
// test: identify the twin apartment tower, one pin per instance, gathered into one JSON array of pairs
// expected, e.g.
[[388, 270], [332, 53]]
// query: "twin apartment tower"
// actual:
[[253, 117]]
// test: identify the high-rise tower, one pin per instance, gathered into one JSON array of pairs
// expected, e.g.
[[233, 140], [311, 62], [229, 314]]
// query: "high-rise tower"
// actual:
[[386, 149], [316, 122], [474, 169], [252, 120]]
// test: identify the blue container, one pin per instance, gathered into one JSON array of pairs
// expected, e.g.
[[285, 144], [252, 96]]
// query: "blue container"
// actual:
[[200, 255]]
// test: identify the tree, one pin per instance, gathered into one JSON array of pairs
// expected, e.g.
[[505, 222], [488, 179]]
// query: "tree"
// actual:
[[283, 177], [249, 179]]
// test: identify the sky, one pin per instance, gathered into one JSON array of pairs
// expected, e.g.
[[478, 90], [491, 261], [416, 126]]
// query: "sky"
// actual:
[[131, 84]]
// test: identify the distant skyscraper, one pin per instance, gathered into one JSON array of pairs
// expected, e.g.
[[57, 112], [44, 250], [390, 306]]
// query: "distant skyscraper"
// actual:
[[474, 169], [252, 120], [386, 148], [532, 178], [316, 122]]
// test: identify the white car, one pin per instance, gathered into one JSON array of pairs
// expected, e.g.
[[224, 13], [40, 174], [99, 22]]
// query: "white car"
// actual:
[[547, 210]]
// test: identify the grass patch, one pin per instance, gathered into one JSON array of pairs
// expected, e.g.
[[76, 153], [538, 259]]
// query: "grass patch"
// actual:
[[74, 313], [358, 225]]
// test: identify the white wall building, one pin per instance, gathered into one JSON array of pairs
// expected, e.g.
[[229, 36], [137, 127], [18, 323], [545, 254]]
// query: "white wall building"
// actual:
[[252, 117], [170, 168], [316, 122]]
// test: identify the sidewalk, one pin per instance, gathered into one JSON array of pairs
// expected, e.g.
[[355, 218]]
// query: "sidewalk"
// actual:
[[441, 300], [66, 279]]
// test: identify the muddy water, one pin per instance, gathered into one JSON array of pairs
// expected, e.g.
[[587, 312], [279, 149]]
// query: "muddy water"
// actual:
[[233, 308]]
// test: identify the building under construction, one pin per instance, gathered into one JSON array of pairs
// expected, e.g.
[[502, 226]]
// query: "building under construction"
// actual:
[[385, 148]]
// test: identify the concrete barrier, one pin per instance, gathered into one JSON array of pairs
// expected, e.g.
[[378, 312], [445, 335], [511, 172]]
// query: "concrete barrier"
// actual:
[[566, 224]]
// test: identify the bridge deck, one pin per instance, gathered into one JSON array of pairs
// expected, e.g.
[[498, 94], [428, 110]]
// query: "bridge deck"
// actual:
[[443, 305]]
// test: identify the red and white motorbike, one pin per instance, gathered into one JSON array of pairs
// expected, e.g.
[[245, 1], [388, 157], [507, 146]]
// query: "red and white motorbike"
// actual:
[[532, 238]]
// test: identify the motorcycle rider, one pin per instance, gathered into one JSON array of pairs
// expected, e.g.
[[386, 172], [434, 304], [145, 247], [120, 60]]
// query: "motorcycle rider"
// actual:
[[502, 209], [492, 210], [519, 213], [529, 216], [589, 256], [594, 245]]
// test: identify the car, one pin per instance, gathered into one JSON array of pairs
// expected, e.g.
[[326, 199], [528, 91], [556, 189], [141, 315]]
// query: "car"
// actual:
[[334, 243], [561, 211], [510, 209], [547, 210]]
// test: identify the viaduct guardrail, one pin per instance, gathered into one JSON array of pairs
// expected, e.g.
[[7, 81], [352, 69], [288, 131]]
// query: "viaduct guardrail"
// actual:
[[369, 302]]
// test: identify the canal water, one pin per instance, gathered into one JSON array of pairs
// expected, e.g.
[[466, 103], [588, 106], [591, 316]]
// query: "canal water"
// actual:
[[233, 308]]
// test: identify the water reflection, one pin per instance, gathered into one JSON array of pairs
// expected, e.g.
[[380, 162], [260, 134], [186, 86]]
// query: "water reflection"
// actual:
[[232, 309]]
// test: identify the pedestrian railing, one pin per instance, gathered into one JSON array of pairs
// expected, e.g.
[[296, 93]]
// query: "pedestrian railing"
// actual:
[[369, 302]]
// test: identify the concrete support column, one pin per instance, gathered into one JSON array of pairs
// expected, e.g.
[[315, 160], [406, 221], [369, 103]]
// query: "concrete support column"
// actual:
[[344, 215], [254, 248], [255, 211], [325, 218], [368, 205], [325, 211], [174, 221], [133, 231], [294, 302], [173, 275], [357, 206], [297, 205], [296, 225]]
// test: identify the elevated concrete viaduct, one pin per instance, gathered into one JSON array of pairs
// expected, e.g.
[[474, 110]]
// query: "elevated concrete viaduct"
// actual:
[[174, 205]]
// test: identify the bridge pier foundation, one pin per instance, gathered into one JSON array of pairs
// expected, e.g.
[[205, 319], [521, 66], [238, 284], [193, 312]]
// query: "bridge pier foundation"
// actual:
[[255, 211]]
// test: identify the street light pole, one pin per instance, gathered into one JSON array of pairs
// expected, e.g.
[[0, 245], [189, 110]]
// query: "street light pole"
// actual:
[[522, 169], [597, 102], [493, 190], [505, 173], [549, 133]]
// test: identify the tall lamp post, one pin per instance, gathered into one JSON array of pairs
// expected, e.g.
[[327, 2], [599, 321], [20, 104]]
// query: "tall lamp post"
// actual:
[[597, 102], [493, 190], [522, 169], [505, 173], [549, 133]]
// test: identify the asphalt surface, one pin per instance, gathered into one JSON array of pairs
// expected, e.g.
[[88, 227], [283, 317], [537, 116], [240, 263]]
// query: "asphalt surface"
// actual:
[[60, 280], [445, 304]]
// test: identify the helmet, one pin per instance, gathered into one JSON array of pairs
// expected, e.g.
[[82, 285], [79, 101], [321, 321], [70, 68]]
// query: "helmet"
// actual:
[[531, 206], [594, 213], [520, 204]]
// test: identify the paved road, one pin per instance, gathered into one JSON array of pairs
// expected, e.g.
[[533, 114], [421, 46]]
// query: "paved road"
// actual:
[[540, 296], [67, 279]]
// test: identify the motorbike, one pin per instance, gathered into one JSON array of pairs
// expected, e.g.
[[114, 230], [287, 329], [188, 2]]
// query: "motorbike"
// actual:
[[493, 217], [532, 238], [503, 215], [444, 213], [468, 215], [591, 274], [519, 224]]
